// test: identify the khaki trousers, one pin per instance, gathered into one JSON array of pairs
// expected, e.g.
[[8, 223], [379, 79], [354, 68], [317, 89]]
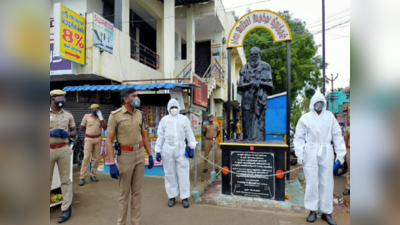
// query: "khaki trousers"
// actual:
[[208, 150], [131, 169], [348, 164], [92, 148], [62, 156]]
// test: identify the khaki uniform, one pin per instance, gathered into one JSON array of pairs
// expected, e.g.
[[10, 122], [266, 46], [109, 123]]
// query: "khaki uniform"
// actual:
[[211, 130], [347, 134], [63, 120], [130, 163], [92, 145]]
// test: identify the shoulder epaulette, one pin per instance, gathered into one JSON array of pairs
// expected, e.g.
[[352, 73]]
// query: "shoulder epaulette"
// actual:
[[115, 111]]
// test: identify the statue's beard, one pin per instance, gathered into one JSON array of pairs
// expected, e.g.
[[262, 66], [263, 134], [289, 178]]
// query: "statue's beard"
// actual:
[[254, 62]]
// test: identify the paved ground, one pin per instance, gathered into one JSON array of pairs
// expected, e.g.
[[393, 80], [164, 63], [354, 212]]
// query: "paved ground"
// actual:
[[97, 203]]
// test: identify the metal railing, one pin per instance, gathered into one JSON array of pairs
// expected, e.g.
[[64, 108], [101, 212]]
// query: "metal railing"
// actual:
[[154, 81], [185, 72], [144, 55], [208, 74]]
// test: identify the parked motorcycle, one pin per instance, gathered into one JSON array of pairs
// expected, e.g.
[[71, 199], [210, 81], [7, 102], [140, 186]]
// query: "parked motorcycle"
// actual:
[[76, 145]]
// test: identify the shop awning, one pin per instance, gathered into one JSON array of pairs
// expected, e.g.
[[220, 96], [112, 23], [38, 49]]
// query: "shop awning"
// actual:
[[159, 86]]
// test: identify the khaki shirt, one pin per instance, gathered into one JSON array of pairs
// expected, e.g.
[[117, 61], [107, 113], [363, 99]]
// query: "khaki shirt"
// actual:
[[129, 126], [347, 134], [92, 124], [63, 120], [211, 129]]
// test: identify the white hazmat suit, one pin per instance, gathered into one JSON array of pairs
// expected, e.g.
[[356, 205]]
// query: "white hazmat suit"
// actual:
[[172, 132], [312, 142]]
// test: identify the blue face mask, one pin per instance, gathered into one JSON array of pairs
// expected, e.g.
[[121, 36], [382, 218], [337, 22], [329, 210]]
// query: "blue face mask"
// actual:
[[135, 102], [211, 119], [95, 111]]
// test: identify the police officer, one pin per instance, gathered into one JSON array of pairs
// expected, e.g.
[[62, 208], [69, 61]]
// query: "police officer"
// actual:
[[62, 126], [128, 123], [92, 124], [211, 131]]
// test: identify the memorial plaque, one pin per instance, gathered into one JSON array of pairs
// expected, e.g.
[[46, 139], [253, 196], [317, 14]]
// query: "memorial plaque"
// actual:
[[251, 174]]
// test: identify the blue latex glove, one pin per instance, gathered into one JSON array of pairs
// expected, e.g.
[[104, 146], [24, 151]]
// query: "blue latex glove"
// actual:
[[189, 152], [59, 133], [114, 172], [158, 157], [336, 166], [151, 162]]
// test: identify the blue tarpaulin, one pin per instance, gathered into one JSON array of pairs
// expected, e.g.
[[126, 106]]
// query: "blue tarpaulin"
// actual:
[[275, 118], [159, 86]]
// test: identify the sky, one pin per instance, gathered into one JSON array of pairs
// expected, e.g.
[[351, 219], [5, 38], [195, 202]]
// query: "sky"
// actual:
[[337, 40]]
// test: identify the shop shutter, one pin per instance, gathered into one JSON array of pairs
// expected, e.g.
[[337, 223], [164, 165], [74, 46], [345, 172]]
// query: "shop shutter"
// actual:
[[79, 110]]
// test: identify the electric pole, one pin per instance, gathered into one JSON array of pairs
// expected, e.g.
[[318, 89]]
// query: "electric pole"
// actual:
[[332, 98], [323, 46]]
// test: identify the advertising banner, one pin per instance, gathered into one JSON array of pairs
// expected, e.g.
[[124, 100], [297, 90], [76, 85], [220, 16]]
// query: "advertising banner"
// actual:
[[200, 95], [176, 94], [59, 66], [103, 33], [69, 34], [219, 121], [216, 57]]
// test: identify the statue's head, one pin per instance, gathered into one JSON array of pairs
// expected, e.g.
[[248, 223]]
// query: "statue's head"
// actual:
[[255, 55]]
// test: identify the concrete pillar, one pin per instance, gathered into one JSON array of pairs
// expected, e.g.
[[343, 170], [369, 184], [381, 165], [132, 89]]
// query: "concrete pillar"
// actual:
[[191, 39], [160, 46], [178, 47], [121, 15], [169, 38]]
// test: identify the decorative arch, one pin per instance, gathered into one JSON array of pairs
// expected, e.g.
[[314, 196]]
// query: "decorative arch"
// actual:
[[265, 19]]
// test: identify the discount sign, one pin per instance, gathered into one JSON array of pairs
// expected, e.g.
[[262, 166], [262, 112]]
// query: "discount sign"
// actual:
[[69, 34]]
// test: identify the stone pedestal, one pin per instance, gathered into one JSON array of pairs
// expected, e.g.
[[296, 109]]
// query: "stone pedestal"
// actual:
[[255, 169]]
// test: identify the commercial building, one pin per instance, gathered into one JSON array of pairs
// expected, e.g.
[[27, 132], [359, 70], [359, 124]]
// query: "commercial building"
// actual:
[[161, 47]]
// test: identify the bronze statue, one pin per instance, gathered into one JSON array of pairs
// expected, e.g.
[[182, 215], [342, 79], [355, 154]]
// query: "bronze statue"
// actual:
[[255, 85]]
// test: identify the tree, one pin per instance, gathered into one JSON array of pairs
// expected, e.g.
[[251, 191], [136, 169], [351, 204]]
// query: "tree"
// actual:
[[305, 64], [235, 16], [296, 113]]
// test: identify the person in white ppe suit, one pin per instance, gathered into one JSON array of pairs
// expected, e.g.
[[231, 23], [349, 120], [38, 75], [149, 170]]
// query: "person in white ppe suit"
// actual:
[[312, 143], [172, 132]]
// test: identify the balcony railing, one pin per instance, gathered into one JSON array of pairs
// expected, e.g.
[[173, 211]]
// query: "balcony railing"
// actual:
[[220, 77], [144, 55]]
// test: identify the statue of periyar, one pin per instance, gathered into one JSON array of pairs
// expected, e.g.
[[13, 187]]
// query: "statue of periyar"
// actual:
[[255, 85]]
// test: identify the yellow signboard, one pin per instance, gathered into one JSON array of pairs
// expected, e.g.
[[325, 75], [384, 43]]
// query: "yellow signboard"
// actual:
[[219, 121], [69, 34]]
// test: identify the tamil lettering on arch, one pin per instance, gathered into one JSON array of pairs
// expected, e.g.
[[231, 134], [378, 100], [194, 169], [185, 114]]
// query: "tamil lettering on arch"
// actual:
[[266, 19]]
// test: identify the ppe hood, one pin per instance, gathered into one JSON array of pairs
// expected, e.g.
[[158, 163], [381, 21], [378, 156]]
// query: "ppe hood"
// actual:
[[171, 103], [318, 97]]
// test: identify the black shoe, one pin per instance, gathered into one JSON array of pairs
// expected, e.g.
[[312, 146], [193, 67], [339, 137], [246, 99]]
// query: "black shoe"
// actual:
[[94, 179], [346, 192], [81, 182], [216, 170], [328, 219], [65, 215], [185, 203], [171, 202], [312, 217], [205, 170]]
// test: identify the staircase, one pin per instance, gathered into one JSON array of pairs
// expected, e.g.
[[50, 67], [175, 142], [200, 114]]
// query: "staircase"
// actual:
[[185, 76]]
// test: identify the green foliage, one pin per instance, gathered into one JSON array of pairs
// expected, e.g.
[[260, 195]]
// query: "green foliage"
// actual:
[[235, 16], [296, 114], [305, 64]]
